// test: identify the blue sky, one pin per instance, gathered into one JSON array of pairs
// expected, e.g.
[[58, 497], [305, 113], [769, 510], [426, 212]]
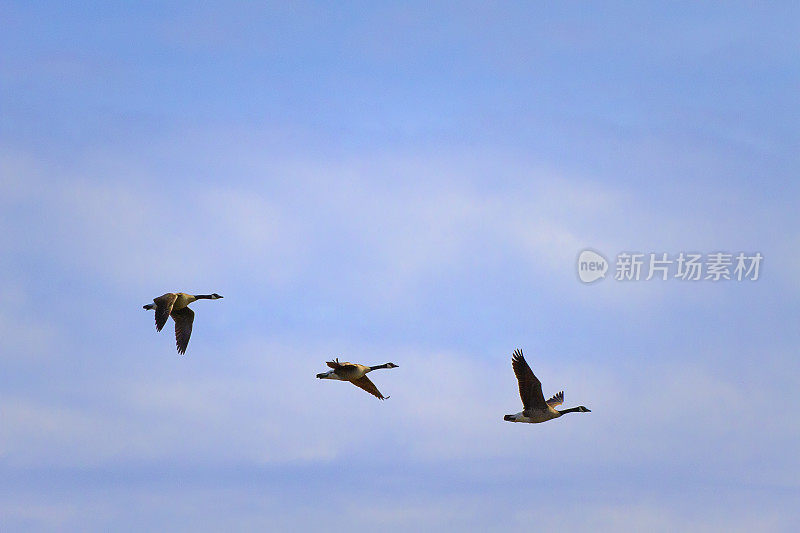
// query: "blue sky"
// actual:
[[397, 182]]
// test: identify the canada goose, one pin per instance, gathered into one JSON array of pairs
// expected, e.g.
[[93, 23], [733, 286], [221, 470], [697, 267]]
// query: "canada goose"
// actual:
[[176, 305], [355, 374], [534, 408]]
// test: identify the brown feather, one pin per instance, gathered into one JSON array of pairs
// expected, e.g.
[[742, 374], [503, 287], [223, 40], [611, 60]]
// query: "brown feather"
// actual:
[[556, 399], [366, 384], [164, 305], [183, 328], [344, 370], [530, 388]]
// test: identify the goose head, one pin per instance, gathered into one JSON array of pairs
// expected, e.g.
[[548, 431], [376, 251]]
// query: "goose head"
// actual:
[[583, 409], [215, 296]]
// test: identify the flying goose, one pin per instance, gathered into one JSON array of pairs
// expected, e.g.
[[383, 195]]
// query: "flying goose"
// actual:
[[534, 407], [176, 305], [355, 374]]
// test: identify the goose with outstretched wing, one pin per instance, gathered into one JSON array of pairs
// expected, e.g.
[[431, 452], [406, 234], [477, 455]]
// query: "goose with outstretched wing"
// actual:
[[176, 305], [534, 407], [355, 374]]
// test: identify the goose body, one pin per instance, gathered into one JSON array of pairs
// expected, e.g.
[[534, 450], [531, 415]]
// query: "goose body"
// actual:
[[356, 374], [176, 305], [535, 408]]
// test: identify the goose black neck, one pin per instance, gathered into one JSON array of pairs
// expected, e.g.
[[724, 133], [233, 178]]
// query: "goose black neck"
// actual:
[[385, 365], [571, 410], [204, 296]]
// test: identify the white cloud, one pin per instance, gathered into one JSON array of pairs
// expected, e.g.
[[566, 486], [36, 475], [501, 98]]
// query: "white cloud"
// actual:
[[356, 229], [259, 404], [133, 230]]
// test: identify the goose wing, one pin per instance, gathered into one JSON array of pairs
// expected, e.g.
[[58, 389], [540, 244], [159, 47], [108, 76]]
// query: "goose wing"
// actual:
[[183, 328], [336, 365], [530, 388], [366, 384], [164, 305], [556, 400]]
